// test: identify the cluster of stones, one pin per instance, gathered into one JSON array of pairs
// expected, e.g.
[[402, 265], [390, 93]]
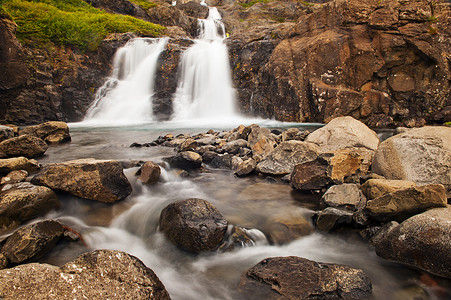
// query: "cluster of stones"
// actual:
[[395, 192]]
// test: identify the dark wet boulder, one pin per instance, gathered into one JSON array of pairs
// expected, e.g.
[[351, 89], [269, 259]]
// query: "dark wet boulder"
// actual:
[[193, 224], [101, 274], [24, 201], [422, 241], [149, 172], [18, 163], [31, 242], [218, 161], [51, 132], [299, 278], [100, 180], [24, 145], [186, 160]]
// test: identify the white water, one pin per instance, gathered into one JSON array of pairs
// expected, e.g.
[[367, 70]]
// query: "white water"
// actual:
[[126, 97]]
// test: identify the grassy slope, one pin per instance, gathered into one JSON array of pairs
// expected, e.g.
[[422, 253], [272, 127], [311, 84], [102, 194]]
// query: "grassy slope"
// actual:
[[72, 23]]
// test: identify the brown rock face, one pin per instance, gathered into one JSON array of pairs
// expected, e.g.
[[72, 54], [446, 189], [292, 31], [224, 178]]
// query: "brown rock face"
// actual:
[[32, 242], [99, 180], [50, 132], [299, 278], [193, 224], [25, 145], [24, 201], [101, 274]]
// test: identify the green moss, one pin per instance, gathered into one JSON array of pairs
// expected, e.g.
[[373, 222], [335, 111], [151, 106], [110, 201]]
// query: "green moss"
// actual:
[[448, 124], [144, 4], [246, 5], [71, 23], [307, 3]]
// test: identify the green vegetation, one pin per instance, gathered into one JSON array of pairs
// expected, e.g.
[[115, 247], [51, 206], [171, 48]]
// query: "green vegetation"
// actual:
[[72, 23], [247, 5], [448, 123], [144, 4], [307, 3]]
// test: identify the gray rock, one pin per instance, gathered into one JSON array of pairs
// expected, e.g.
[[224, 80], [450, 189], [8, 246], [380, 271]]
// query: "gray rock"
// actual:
[[186, 160], [256, 133], [101, 274], [331, 218], [347, 196], [234, 147]]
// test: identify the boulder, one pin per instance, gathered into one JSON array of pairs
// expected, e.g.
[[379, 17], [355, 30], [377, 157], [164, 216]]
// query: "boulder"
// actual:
[[331, 218], [100, 180], [51, 132], [262, 148], [31, 242], [101, 274], [422, 241], [219, 161], [193, 225], [233, 147], [285, 156], [421, 155], [374, 188], [311, 175], [18, 163], [343, 133], [256, 133], [346, 196], [24, 201], [186, 160], [246, 167], [25, 145], [407, 202], [14, 177], [6, 133], [188, 145], [299, 278], [286, 227], [194, 9], [149, 172]]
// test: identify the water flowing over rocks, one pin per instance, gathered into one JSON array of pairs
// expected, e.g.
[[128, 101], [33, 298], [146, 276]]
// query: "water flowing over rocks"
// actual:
[[422, 241], [31, 242], [24, 201], [100, 274], [421, 155], [24, 145], [100, 180], [193, 224], [18, 163], [50, 132], [299, 278]]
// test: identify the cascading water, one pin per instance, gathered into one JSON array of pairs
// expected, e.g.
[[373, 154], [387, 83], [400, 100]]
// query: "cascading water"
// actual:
[[126, 97], [205, 88]]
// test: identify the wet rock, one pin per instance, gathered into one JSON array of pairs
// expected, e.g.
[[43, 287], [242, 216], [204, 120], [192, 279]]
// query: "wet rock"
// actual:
[[194, 9], [262, 148], [233, 147], [345, 196], [311, 175], [374, 188], [186, 160], [299, 278], [51, 132], [218, 161], [101, 274], [149, 172], [31, 242], [235, 163], [25, 145], [256, 133], [407, 202], [206, 140], [239, 237], [287, 227], [193, 225], [421, 241], [246, 167], [14, 177], [421, 155], [24, 201], [100, 180], [6, 133], [285, 156], [331, 218], [188, 145]]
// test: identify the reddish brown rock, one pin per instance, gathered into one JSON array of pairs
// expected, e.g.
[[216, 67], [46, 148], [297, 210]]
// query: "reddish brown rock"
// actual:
[[149, 172]]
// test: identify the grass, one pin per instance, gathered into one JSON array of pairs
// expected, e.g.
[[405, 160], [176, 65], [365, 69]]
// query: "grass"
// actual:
[[144, 4], [448, 124], [247, 5], [72, 23]]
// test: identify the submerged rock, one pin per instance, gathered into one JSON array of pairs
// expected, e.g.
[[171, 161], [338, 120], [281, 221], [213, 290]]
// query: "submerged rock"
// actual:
[[24, 201], [299, 278], [51, 132], [101, 274], [100, 180], [193, 225], [287, 227], [24, 145], [31, 242], [422, 241]]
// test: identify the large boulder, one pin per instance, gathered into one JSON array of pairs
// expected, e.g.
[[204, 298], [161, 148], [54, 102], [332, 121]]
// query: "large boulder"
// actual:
[[345, 196], [193, 224], [422, 155], [24, 201], [299, 278], [101, 180], [422, 241], [101, 274], [18, 163], [51, 132], [25, 145], [374, 188], [32, 241], [285, 156]]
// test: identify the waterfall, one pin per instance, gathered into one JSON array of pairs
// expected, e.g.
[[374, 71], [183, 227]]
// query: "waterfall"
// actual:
[[126, 97], [205, 86]]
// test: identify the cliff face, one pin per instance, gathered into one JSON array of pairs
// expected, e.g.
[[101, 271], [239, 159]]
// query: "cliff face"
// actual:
[[383, 62]]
